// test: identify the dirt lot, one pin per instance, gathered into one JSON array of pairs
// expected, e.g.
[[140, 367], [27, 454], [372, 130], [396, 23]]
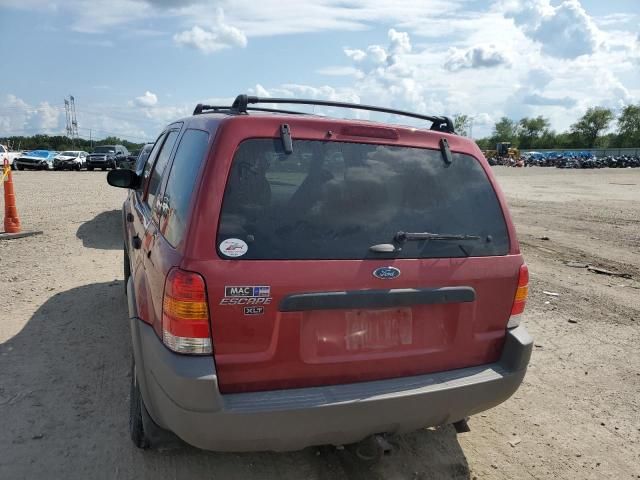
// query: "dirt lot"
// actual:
[[64, 348]]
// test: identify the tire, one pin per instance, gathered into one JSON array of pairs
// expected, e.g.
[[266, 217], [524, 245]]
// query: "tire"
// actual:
[[20, 167], [90, 169], [126, 265], [136, 428], [104, 169]]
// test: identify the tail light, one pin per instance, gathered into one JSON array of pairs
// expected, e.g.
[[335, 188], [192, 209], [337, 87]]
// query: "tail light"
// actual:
[[520, 297], [185, 313]]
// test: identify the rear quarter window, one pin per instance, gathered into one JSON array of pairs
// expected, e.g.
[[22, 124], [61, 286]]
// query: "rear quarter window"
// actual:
[[181, 183], [155, 178], [332, 200]]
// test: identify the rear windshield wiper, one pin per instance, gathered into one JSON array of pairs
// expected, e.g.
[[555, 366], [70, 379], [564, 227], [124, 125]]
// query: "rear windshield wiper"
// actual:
[[404, 237], [401, 238]]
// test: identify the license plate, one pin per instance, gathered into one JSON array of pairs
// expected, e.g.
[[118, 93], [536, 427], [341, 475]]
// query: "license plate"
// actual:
[[378, 329]]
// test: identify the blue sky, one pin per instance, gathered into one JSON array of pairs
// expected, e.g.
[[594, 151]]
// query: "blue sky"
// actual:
[[134, 65]]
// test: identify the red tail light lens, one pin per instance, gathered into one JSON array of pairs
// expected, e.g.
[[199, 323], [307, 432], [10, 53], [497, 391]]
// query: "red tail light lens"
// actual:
[[520, 298], [185, 313]]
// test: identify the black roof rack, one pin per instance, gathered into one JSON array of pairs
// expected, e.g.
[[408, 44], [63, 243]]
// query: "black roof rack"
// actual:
[[241, 105], [200, 108]]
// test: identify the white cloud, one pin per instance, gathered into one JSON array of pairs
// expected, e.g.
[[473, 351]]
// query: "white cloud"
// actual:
[[17, 117], [564, 31], [149, 99], [538, 99], [479, 56], [210, 40], [343, 71], [355, 54], [45, 118], [399, 42]]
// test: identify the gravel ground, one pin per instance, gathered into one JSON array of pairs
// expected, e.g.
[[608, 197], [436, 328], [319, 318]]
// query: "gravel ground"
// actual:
[[64, 347]]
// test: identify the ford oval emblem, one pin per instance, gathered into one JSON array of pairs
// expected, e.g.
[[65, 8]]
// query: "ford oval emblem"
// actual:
[[386, 273]]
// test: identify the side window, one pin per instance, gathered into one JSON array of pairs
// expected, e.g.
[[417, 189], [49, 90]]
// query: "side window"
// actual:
[[158, 169], [146, 168], [181, 183]]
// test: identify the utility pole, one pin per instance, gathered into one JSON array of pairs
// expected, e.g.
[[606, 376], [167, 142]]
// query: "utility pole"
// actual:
[[68, 118], [72, 122]]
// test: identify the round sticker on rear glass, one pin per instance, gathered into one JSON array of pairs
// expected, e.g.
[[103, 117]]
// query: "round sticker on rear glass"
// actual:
[[233, 247]]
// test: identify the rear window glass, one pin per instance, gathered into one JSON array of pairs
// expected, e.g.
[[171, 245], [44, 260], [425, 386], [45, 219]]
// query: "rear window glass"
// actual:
[[332, 200]]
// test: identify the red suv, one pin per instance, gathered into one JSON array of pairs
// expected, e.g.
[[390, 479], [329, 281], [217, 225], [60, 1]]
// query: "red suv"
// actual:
[[297, 280]]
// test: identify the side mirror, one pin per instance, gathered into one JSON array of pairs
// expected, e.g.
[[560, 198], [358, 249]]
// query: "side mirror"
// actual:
[[123, 178]]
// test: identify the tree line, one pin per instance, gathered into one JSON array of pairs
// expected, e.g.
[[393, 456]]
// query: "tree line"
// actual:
[[60, 143], [590, 131]]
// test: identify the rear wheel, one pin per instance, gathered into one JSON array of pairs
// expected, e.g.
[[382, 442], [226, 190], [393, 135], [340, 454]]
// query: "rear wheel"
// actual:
[[144, 432], [136, 428]]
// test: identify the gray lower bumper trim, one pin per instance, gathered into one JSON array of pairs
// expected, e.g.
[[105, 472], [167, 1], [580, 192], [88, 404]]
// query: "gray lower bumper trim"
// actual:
[[181, 394]]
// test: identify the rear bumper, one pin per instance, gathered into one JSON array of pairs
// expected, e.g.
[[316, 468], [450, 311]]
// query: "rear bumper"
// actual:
[[181, 394]]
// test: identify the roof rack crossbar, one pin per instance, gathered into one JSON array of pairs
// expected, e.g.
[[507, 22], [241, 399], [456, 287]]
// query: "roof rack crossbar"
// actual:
[[440, 123], [200, 108]]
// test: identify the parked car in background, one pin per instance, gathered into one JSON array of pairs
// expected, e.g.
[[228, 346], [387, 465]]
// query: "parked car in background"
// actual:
[[142, 157], [36, 160], [129, 161], [70, 160], [106, 156], [9, 155], [297, 280]]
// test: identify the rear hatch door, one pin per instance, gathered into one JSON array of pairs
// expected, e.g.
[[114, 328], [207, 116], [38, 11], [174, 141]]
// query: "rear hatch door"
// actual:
[[298, 296]]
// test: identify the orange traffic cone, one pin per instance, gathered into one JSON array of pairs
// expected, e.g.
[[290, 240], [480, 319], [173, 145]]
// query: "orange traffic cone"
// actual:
[[12, 228], [11, 219]]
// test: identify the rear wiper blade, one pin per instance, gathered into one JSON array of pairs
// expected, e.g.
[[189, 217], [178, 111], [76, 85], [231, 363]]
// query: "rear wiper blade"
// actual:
[[403, 237]]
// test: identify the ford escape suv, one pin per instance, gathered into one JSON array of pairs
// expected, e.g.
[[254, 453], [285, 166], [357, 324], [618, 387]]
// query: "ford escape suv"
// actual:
[[297, 280]]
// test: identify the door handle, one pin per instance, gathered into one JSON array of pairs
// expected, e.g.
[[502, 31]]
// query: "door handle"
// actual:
[[136, 242]]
